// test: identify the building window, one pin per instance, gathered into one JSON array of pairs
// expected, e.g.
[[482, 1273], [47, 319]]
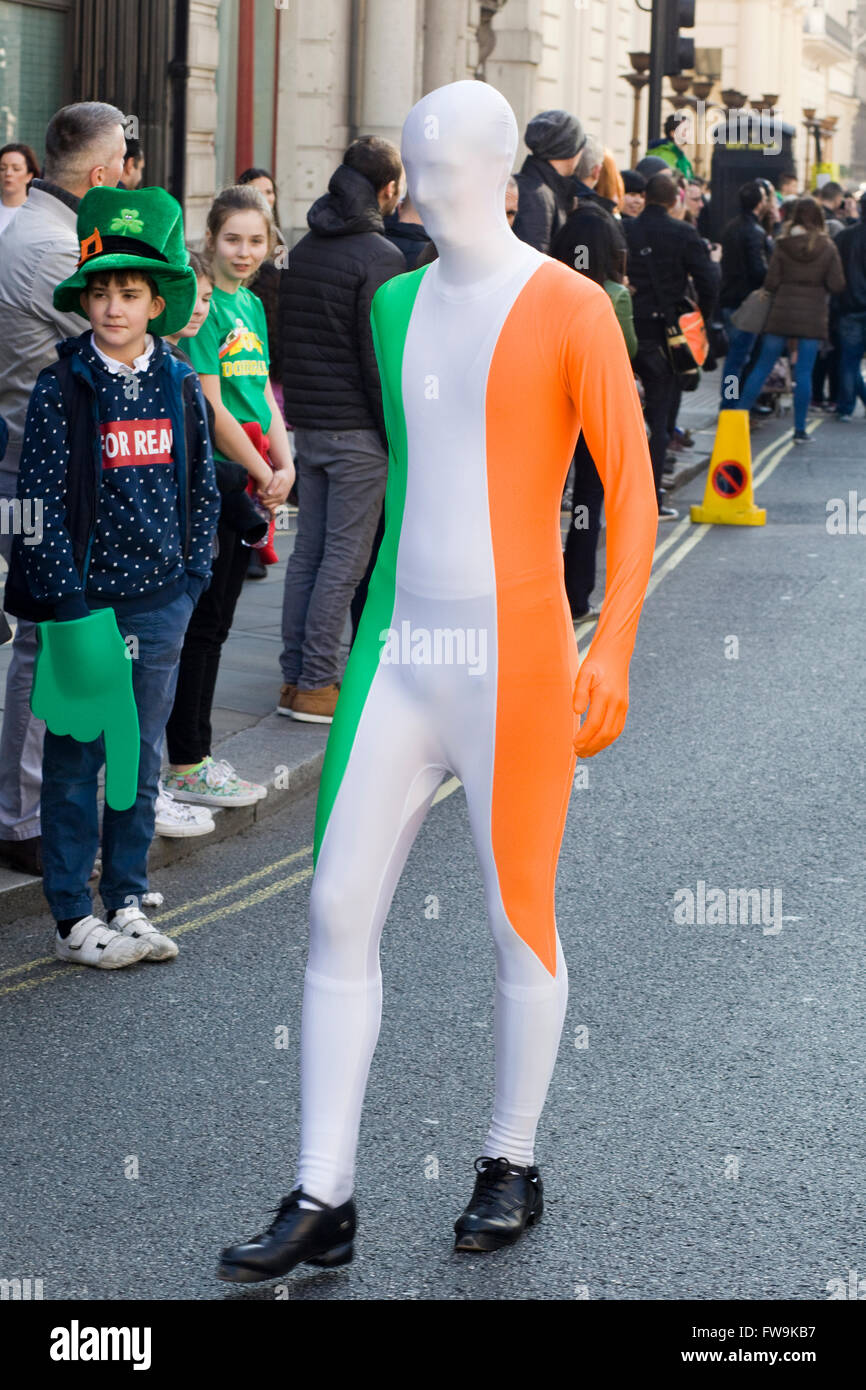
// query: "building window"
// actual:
[[33, 69]]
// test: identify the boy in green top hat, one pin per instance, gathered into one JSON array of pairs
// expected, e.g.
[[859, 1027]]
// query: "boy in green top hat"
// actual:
[[117, 462]]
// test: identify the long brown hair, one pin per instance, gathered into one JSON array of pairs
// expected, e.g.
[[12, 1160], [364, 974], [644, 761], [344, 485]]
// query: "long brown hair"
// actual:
[[809, 215], [239, 198]]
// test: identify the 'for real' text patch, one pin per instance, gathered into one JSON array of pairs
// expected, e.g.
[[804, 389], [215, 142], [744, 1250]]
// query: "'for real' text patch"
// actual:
[[137, 442]]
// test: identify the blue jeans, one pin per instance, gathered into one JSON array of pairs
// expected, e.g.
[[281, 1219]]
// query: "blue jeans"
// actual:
[[740, 346], [70, 772], [852, 341], [807, 351]]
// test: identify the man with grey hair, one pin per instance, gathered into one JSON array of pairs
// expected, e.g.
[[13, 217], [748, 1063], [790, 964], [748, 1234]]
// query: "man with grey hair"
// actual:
[[85, 145], [588, 165], [586, 176]]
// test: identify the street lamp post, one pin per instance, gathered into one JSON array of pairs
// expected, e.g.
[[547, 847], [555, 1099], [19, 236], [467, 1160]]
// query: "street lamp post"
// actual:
[[813, 128], [637, 80]]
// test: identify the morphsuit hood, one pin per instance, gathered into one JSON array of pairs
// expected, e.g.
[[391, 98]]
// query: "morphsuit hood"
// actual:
[[458, 149]]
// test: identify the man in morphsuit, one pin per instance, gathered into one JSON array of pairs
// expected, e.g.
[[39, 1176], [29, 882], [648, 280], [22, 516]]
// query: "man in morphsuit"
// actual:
[[492, 359]]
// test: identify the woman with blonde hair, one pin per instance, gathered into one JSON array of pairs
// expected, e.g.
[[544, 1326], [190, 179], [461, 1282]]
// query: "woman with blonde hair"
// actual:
[[804, 271]]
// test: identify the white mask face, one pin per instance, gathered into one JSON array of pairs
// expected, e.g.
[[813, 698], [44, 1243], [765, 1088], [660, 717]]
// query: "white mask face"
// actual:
[[458, 149]]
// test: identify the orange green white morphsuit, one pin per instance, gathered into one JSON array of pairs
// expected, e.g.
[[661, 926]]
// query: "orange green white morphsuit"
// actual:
[[492, 360]]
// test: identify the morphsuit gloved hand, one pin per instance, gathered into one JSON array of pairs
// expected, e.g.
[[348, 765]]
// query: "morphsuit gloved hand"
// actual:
[[603, 685], [82, 687]]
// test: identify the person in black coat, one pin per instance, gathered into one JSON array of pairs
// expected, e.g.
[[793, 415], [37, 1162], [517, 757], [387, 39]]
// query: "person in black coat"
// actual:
[[851, 309], [633, 198], [555, 139], [678, 254], [333, 398], [330, 375], [746, 248], [406, 230], [586, 176], [746, 251]]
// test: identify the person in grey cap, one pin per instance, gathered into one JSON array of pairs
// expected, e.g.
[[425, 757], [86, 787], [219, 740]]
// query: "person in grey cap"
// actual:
[[652, 164], [555, 140]]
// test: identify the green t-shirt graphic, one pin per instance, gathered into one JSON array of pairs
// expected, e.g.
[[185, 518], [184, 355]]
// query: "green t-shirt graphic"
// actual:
[[232, 344]]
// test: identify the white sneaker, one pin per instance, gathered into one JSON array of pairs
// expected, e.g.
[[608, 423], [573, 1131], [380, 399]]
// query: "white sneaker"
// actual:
[[134, 926], [152, 900], [176, 820], [91, 942]]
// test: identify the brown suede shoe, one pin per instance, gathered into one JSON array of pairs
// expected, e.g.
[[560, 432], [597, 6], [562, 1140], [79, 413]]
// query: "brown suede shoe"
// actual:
[[287, 695], [315, 706]]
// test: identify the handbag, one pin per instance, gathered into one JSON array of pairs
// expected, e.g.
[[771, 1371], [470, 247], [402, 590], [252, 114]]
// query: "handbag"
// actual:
[[688, 327], [694, 330], [265, 546], [751, 316]]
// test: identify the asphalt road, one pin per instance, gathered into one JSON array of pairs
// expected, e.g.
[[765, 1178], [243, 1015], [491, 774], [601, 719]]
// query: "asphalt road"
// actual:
[[708, 1140]]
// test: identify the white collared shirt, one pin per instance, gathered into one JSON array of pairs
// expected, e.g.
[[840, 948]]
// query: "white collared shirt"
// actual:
[[139, 363]]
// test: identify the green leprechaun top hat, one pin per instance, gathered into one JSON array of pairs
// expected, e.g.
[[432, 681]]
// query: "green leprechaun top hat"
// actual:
[[140, 230]]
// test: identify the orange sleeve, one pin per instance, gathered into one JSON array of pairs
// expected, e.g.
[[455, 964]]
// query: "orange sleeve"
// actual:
[[599, 379]]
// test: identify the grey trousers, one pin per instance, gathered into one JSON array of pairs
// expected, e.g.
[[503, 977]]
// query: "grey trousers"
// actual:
[[341, 482], [22, 735]]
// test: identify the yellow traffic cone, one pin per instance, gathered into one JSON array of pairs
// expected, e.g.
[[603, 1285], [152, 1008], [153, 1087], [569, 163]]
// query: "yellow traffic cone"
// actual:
[[728, 498]]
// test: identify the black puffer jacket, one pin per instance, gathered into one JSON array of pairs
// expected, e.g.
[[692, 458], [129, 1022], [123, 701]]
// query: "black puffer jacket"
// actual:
[[330, 376], [546, 199]]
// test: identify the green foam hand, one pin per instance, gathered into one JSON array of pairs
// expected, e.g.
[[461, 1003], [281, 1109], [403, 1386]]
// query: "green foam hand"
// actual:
[[82, 687]]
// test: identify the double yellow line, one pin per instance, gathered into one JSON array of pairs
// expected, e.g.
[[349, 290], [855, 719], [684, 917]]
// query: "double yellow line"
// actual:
[[193, 923], [686, 534]]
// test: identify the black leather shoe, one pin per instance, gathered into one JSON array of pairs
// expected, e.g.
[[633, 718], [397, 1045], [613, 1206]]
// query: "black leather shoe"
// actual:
[[296, 1236], [506, 1200]]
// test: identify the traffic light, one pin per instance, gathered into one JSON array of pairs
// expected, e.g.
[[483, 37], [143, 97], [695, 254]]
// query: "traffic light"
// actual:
[[679, 51]]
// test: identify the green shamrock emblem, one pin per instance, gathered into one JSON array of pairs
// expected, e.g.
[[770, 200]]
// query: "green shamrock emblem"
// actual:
[[128, 221]]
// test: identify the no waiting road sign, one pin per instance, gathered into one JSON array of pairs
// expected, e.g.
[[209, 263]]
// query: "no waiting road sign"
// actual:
[[728, 478]]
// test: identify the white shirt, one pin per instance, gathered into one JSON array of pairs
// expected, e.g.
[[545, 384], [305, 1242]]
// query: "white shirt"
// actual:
[[139, 364]]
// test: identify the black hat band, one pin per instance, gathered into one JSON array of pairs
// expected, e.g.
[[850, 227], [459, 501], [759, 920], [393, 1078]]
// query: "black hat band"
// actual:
[[119, 245]]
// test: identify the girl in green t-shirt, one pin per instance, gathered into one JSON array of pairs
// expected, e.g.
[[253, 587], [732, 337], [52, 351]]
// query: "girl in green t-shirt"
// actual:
[[230, 354]]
